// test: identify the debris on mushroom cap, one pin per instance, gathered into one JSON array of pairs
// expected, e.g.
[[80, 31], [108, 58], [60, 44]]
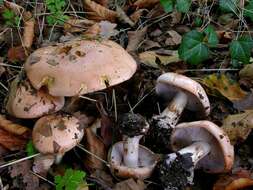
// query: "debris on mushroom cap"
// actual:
[[131, 125], [79, 66], [176, 175], [146, 165], [221, 156], [55, 134], [26, 102], [168, 84]]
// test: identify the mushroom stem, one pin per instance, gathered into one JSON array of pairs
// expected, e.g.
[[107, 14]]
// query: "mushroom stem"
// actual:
[[197, 150], [131, 151], [175, 108], [58, 158]]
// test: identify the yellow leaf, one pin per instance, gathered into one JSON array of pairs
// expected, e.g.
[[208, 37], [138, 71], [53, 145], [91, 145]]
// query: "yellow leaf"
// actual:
[[238, 126], [222, 85]]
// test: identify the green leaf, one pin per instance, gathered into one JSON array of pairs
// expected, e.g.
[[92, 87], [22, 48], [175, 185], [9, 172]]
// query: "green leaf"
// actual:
[[1, 2], [183, 6], [8, 14], [30, 150], [198, 21], [241, 49], [71, 179], [192, 49], [228, 5], [212, 37], [249, 10], [167, 5]]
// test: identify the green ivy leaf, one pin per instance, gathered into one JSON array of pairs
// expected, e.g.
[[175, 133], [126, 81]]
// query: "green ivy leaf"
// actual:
[[167, 5], [249, 10], [30, 149], [193, 49], [71, 180], [240, 49], [8, 14], [212, 37], [228, 5], [183, 6]]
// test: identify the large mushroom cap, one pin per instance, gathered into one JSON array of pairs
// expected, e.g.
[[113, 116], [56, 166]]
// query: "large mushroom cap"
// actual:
[[79, 66], [56, 134], [26, 102], [168, 84], [221, 156], [147, 162]]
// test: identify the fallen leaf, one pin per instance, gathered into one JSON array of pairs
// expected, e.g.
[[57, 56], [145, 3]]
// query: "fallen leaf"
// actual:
[[245, 103], [11, 141], [98, 12], [130, 184], [174, 39], [123, 17], [28, 35], [2, 69], [247, 72], [149, 44], [135, 17], [95, 146], [13, 128], [102, 2], [73, 25], [146, 3], [153, 59], [22, 171], [16, 54], [238, 126], [218, 85], [103, 178], [134, 39], [235, 181]]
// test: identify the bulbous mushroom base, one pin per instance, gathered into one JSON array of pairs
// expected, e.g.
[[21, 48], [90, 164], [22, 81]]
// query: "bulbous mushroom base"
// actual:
[[178, 174], [146, 163], [158, 137]]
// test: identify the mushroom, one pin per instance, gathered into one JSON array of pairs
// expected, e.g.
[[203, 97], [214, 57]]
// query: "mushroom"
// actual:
[[79, 66], [184, 92], [127, 158], [199, 145], [26, 102], [56, 134]]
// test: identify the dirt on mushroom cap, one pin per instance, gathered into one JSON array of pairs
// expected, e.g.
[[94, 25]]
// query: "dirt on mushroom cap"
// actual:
[[79, 66]]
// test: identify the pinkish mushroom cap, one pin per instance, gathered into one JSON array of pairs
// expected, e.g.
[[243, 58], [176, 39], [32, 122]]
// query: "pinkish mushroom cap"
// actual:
[[56, 134], [146, 165], [169, 84], [79, 67], [221, 156], [26, 102]]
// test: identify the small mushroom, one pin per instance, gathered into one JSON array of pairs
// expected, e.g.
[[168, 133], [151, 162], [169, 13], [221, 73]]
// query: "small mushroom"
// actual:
[[56, 134], [79, 66], [183, 93], [26, 102], [127, 158], [199, 145]]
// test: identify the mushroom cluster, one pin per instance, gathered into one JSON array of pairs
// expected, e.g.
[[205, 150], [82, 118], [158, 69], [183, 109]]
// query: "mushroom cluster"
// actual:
[[64, 70]]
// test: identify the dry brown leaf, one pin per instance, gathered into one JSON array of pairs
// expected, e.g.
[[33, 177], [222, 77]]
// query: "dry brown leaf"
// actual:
[[13, 128], [235, 181], [98, 13], [247, 72], [96, 146], [153, 59], [16, 54], [238, 126], [134, 39], [102, 2], [146, 3], [10, 141], [174, 39], [245, 103], [22, 170], [130, 184], [222, 85], [123, 17], [17, 9], [135, 17], [73, 25], [2, 69], [28, 35]]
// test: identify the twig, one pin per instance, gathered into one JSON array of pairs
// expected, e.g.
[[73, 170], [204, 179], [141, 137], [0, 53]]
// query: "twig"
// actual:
[[43, 178]]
